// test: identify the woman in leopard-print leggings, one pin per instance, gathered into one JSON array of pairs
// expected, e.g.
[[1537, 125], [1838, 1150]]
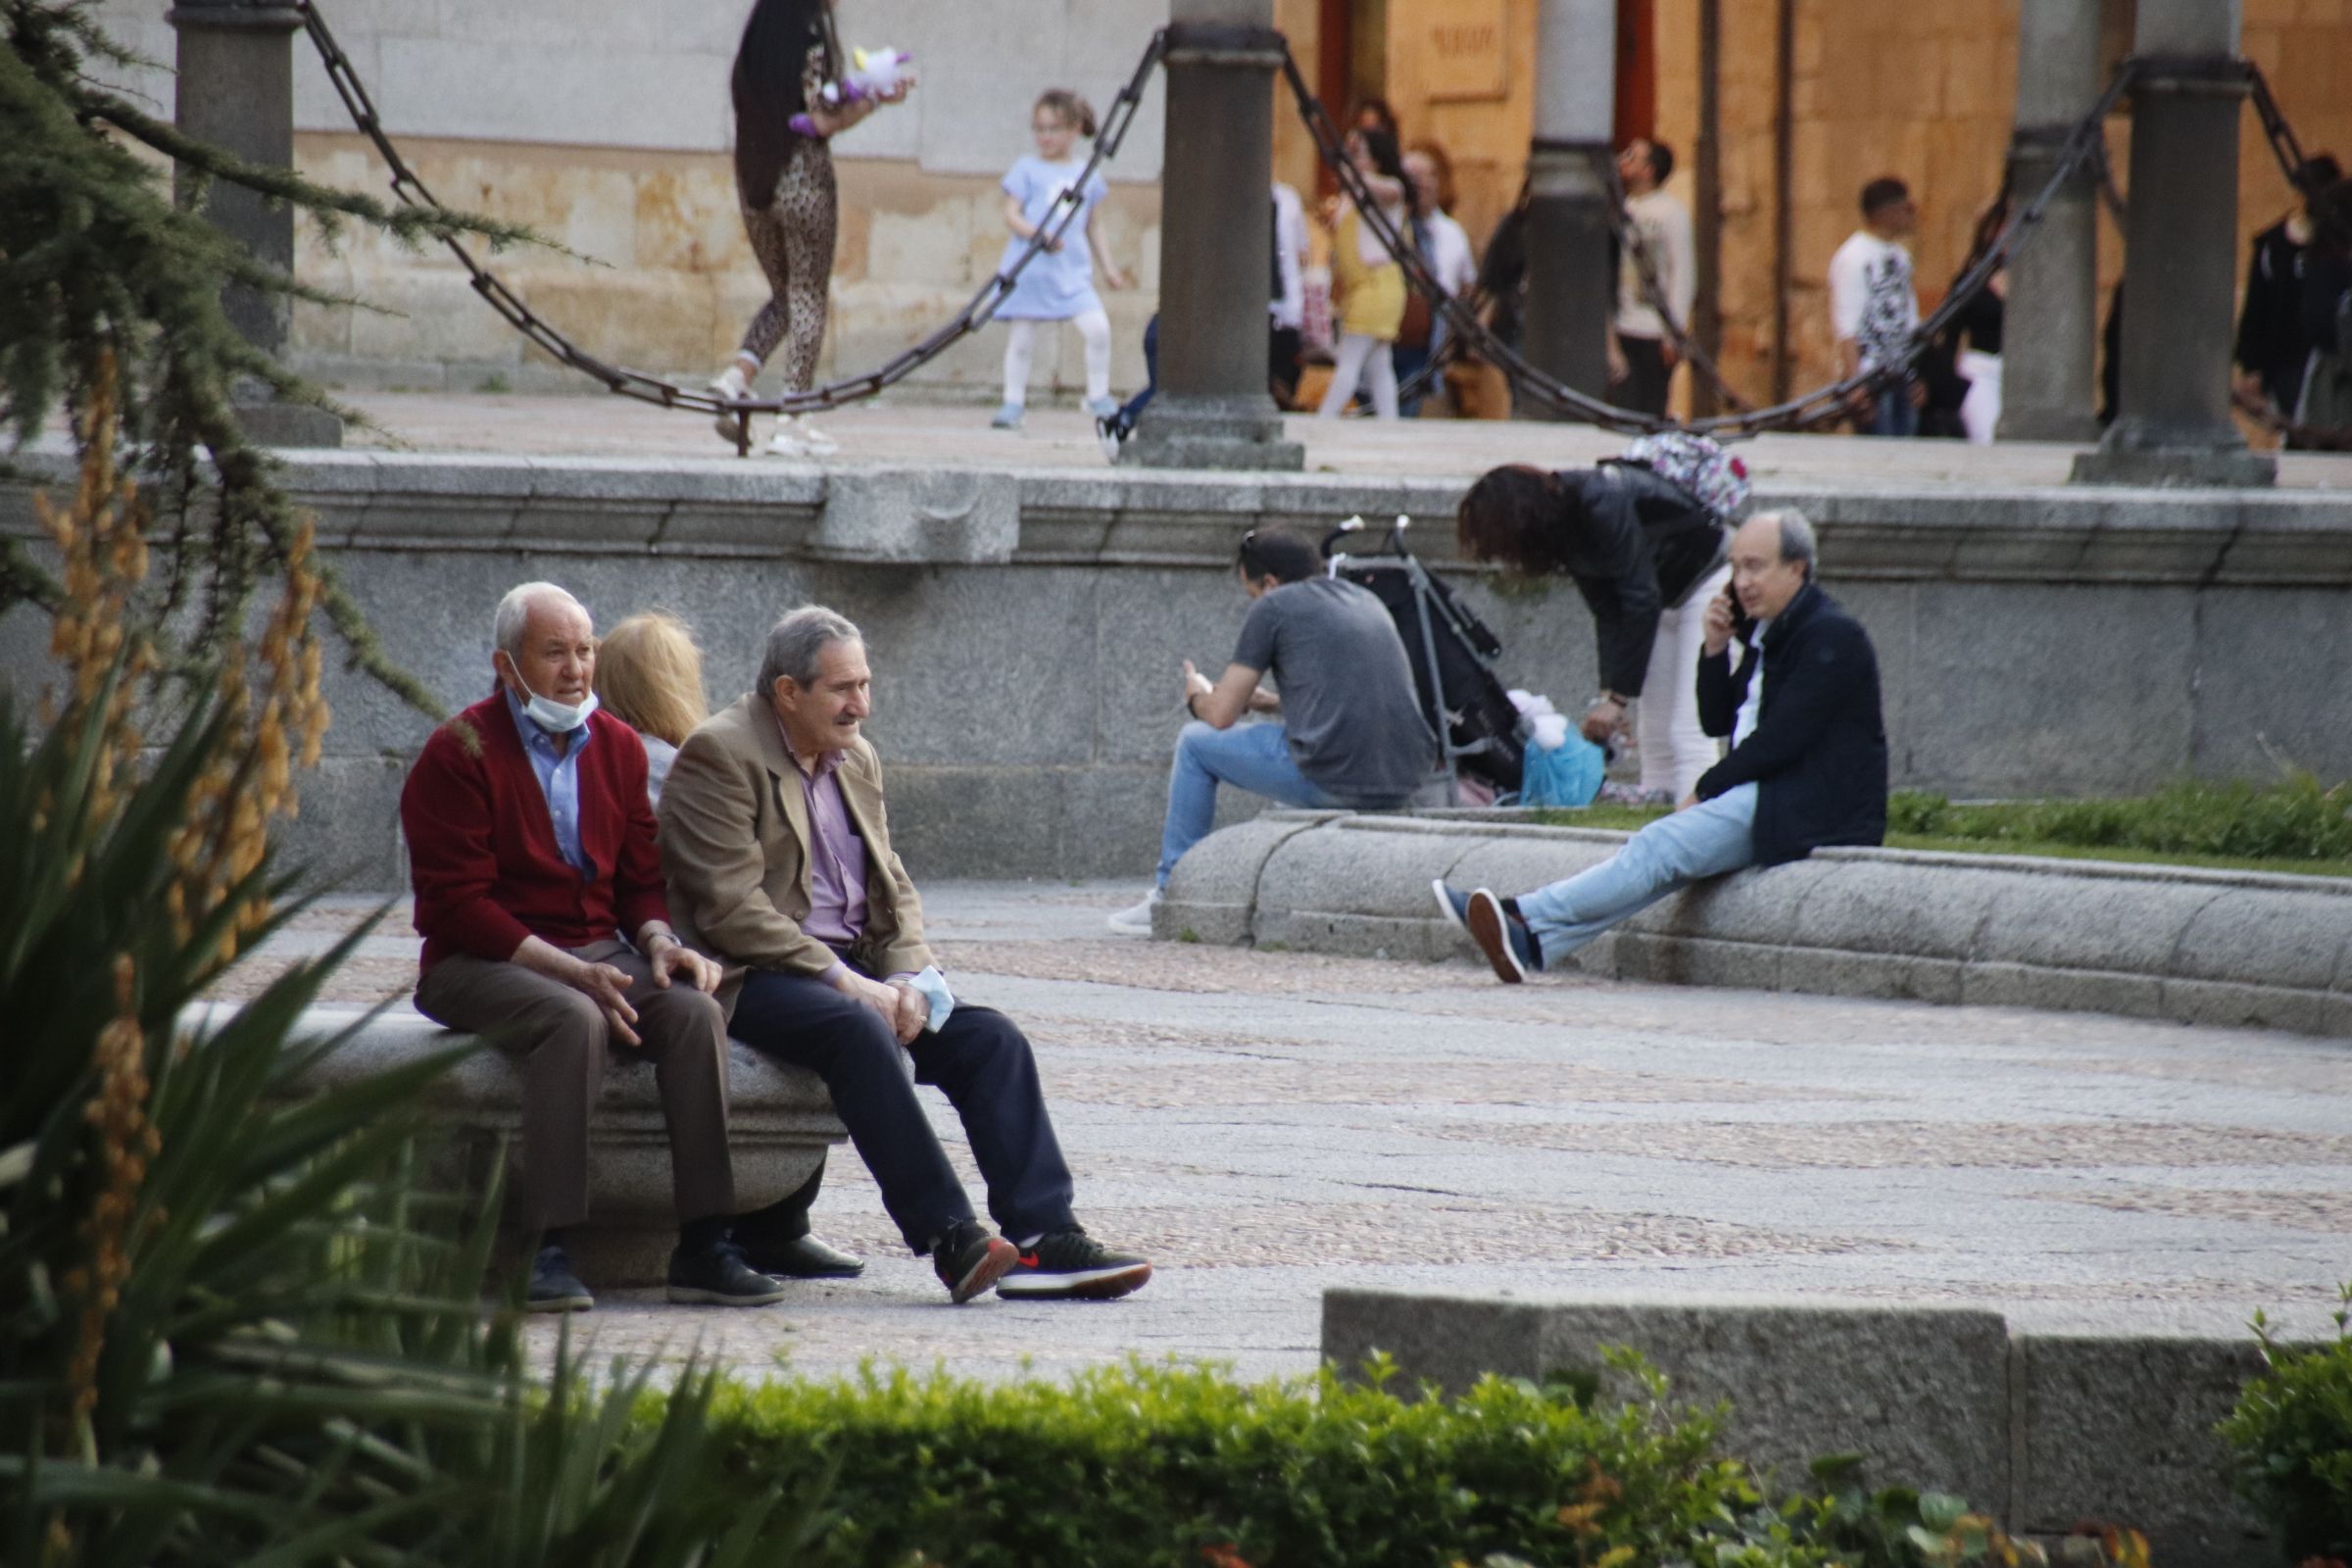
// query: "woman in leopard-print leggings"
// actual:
[[784, 181]]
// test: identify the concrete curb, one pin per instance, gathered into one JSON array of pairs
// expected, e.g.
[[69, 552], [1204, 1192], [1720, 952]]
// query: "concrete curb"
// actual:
[[2145, 941], [780, 1122], [2042, 1430]]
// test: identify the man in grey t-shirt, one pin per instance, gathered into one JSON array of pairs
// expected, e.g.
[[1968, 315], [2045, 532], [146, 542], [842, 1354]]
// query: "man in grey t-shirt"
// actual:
[[1352, 732]]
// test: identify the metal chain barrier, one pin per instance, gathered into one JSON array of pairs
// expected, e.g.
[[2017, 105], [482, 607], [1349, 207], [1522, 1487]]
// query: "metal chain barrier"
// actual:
[[648, 388]]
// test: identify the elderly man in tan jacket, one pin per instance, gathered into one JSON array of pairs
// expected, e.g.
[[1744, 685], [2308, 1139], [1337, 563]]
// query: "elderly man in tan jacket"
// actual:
[[777, 851]]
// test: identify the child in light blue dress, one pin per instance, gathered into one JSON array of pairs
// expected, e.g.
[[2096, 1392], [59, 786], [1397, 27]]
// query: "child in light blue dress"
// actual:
[[1059, 283]]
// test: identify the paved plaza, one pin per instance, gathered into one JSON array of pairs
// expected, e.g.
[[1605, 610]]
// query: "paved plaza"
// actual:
[[904, 431], [1268, 1124]]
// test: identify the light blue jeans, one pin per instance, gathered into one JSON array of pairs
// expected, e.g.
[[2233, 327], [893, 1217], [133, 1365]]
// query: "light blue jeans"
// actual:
[[1710, 839], [1249, 756]]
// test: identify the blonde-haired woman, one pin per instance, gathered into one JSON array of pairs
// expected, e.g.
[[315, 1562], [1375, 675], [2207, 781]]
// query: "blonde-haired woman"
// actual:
[[649, 675]]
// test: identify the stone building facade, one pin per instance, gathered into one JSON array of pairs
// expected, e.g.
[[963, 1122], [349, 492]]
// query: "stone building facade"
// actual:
[[605, 124]]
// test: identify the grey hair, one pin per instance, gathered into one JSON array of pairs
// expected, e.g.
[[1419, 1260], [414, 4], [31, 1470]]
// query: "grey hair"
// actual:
[[796, 643], [514, 614], [1797, 545]]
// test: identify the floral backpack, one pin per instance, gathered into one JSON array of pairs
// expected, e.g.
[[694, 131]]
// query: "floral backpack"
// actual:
[[1698, 464]]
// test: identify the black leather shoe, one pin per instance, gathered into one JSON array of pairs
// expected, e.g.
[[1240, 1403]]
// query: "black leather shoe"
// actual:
[[804, 1258], [716, 1276]]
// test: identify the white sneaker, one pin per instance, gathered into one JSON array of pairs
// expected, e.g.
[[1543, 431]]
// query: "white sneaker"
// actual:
[[1136, 921], [730, 387], [797, 436]]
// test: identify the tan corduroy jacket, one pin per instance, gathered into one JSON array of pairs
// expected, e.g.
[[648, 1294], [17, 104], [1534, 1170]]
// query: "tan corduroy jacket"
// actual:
[[735, 849]]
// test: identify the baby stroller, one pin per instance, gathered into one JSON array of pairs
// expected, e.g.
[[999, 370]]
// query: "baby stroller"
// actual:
[[1452, 656]]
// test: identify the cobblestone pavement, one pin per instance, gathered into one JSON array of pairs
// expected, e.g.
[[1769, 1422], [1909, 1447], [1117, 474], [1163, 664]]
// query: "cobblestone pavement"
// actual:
[[931, 433], [1267, 1124]]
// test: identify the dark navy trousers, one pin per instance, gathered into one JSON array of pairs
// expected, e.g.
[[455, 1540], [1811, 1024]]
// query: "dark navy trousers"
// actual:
[[983, 1062]]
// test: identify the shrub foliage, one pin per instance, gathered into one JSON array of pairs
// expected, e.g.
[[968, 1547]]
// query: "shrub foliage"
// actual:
[[2292, 1436]]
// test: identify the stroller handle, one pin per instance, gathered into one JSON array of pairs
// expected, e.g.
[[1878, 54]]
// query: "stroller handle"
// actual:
[[1357, 524], [1351, 525]]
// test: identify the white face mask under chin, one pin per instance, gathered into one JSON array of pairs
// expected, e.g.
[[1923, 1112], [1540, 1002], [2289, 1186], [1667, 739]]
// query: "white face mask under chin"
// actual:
[[562, 718]]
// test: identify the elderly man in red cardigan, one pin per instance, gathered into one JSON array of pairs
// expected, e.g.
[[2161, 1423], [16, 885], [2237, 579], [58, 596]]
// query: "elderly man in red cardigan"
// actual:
[[539, 897]]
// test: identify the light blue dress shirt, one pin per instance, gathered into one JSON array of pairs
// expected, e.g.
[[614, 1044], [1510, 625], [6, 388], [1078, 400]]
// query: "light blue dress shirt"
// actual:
[[559, 775]]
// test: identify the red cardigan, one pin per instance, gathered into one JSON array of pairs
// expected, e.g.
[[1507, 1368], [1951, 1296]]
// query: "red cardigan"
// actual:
[[482, 852]]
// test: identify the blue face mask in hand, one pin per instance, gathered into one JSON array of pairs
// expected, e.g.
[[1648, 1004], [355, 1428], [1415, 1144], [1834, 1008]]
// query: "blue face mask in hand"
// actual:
[[934, 986]]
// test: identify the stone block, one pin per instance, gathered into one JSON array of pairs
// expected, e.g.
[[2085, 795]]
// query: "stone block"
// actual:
[[346, 834], [1922, 1394], [919, 515], [1337, 871], [1212, 893], [2120, 1430], [1657, 959], [2234, 1006], [1895, 976], [1521, 864], [2246, 715], [1873, 905], [2092, 922], [780, 1122], [2269, 937], [1986, 984]]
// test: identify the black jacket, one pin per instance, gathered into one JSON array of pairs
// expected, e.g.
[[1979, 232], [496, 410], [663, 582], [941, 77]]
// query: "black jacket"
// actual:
[[1818, 754], [1644, 543]]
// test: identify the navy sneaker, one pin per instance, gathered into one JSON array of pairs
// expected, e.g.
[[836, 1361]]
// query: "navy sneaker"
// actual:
[[554, 1287], [1453, 903], [717, 1276], [1503, 937], [970, 1260], [1071, 1265]]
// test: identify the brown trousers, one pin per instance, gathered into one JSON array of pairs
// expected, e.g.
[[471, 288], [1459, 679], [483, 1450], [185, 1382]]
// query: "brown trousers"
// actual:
[[563, 1041]]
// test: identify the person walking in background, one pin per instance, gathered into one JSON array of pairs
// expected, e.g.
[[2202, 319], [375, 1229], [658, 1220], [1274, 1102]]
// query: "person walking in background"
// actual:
[[1979, 325], [784, 183], [1643, 364], [1370, 283], [1059, 283], [649, 675], [1649, 557], [1443, 247], [2274, 341], [2325, 403], [1874, 305]]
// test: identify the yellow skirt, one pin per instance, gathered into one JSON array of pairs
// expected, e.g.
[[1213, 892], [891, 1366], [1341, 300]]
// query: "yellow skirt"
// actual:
[[1371, 298]]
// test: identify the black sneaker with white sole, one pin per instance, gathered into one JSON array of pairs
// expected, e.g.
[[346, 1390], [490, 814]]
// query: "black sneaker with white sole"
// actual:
[[554, 1287], [1071, 1265], [717, 1276], [968, 1260]]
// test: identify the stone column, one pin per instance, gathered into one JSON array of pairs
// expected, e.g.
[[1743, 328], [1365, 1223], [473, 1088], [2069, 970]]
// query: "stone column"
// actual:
[[2180, 266], [2049, 346], [1571, 288], [1216, 234], [236, 91]]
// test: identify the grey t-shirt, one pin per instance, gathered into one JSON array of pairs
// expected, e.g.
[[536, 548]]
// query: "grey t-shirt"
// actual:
[[1347, 702]]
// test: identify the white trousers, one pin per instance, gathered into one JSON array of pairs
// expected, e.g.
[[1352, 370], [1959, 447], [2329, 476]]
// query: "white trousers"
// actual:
[[1980, 409], [1675, 750], [1021, 346], [1359, 353]]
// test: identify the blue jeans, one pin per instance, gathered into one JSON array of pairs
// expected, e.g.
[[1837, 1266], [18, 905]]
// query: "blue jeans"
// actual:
[[1710, 839], [1893, 413], [1249, 756]]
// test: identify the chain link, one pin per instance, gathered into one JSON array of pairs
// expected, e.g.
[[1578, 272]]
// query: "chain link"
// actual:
[[976, 312]]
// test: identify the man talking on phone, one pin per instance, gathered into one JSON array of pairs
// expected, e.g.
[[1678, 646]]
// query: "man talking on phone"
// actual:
[[1808, 765]]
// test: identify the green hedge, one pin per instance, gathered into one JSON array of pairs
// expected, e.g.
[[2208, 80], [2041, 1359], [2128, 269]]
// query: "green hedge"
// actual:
[[2292, 1433], [1149, 1466]]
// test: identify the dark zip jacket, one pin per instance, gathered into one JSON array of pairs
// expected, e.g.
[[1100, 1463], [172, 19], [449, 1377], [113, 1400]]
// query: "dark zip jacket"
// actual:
[[1645, 542], [1818, 754]]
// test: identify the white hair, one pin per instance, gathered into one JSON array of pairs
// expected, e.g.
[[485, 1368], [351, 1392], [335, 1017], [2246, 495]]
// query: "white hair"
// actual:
[[514, 615], [1796, 536], [796, 643]]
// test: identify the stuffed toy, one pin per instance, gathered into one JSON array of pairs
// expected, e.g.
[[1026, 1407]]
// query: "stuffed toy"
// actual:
[[873, 73]]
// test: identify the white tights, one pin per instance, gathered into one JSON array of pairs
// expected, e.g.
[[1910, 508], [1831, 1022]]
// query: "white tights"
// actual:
[[1675, 750], [1092, 326], [1360, 352]]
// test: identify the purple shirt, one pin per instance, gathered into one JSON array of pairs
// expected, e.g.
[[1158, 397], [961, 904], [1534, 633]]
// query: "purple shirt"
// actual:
[[836, 854]]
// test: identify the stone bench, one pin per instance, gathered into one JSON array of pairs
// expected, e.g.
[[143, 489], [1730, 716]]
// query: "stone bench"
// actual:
[[2145, 941], [781, 1123]]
